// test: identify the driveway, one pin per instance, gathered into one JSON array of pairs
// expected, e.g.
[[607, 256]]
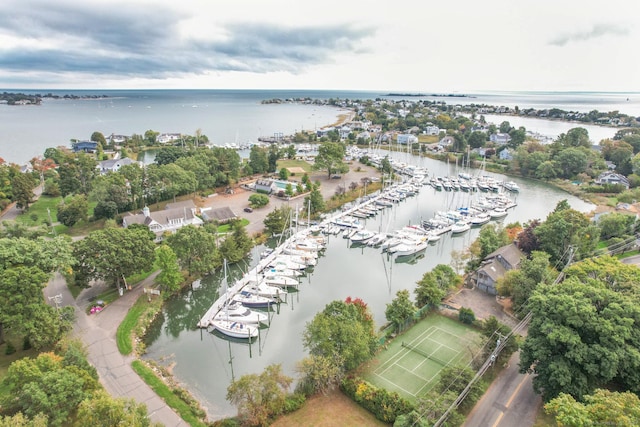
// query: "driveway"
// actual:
[[98, 332]]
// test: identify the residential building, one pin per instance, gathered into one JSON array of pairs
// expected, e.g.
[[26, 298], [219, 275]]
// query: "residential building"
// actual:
[[113, 165], [446, 141], [166, 138], [267, 186], [406, 138], [612, 178], [506, 154], [495, 265], [85, 146], [432, 130], [500, 138], [169, 220]]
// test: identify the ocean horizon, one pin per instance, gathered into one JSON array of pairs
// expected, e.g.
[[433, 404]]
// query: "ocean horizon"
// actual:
[[237, 115]]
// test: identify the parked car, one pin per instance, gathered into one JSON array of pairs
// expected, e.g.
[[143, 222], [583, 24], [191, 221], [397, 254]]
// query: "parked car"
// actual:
[[248, 209], [335, 177]]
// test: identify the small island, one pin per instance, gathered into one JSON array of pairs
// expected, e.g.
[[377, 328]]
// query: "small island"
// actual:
[[18, 98]]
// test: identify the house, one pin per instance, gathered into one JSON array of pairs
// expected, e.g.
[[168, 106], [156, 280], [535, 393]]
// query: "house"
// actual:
[[500, 138], [220, 215], [85, 146], [446, 141], [612, 178], [432, 130], [117, 139], [169, 220], [165, 138], [113, 165], [406, 138], [495, 265], [506, 154], [266, 186]]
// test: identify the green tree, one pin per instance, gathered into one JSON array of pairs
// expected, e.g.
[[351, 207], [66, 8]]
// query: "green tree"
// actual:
[[259, 397], [318, 374], [112, 254], [615, 224], [73, 210], [435, 284], [258, 159], [315, 200], [505, 127], [273, 157], [603, 407], [278, 220], [19, 420], [385, 166], [169, 277], [547, 170], [283, 174], [571, 161], [466, 315], [400, 310], [581, 337], [342, 332], [455, 379], [102, 410], [22, 186], [288, 190], [331, 158], [196, 250], [99, 138], [258, 200], [533, 271]]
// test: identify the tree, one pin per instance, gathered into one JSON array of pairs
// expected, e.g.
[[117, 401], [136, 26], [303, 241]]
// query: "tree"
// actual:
[[112, 254], [342, 332], [196, 249], [278, 220], [435, 284], [169, 277], [73, 210], [288, 189], [527, 240], [19, 420], [571, 161], [581, 337], [22, 186], [532, 272], [492, 236], [575, 137], [258, 159], [283, 174], [258, 200], [466, 315], [517, 137], [102, 410], [259, 397], [400, 310], [603, 407], [615, 224], [315, 200], [505, 127], [318, 374], [99, 138], [331, 158], [385, 166]]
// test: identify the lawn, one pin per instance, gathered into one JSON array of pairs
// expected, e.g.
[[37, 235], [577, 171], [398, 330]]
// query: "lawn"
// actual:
[[331, 410], [286, 163], [46, 208], [224, 228]]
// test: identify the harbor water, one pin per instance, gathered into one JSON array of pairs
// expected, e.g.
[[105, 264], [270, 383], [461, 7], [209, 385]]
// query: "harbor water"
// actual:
[[206, 363]]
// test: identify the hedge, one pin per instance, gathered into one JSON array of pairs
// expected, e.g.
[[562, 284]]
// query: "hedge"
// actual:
[[384, 405]]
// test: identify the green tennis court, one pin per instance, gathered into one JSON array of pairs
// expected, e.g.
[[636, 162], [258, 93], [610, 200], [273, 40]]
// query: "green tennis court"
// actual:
[[412, 361]]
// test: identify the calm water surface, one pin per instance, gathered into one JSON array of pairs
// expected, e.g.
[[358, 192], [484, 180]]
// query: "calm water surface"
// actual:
[[206, 363]]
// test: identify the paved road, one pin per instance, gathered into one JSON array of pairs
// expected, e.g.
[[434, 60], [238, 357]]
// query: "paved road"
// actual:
[[98, 332], [509, 402]]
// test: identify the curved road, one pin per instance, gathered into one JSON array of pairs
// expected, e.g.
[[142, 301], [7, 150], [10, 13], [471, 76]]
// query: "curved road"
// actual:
[[509, 401], [98, 332]]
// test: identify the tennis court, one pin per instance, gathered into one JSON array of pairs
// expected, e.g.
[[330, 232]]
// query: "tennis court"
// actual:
[[411, 363]]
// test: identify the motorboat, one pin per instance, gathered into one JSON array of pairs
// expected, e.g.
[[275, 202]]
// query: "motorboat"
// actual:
[[498, 212], [410, 247], [264, 289], [235, 329], [282, 263], [511, 186], [378, 239], [281, 271], [236, 312], [460, 227], [362, 236], [281, 281], [479, 219]]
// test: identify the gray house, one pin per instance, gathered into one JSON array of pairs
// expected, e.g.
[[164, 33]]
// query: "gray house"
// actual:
[[612, 178], [495, 265], [169, 220], [265, 186]]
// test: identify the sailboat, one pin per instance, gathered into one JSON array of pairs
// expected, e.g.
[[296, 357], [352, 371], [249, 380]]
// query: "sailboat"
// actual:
[[227, 325]]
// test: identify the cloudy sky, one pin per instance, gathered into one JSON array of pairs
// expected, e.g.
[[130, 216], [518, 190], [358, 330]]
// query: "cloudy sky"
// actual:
[[400, 45]]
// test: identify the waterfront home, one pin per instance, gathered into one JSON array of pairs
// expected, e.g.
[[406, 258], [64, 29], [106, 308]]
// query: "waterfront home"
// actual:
[[85, 146], [500, 138], [166, 138], [406, 138], [612, 178], [446, 141], [113, 165], [506, 154], [495, 265], [432, 130], [169, 220]]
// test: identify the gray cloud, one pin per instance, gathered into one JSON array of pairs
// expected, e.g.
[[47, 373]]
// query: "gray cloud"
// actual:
[[595, 32], [132, 41]]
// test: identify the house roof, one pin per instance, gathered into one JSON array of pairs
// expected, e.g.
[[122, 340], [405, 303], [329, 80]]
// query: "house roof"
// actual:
[[179, 205], [495, 270], [510, 253], [220, 214], [161, 217]]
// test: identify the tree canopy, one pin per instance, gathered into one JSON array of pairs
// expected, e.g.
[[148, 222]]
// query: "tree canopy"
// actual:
[[331, 158], [603, 407]]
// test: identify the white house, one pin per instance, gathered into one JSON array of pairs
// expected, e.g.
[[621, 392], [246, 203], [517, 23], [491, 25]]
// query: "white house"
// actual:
[[432, 130], [500, 138], [113, 165], [406, 138], [166, 221], [165, 138]]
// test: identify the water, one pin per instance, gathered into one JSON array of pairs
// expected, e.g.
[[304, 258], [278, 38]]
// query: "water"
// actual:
[[227, 116], [206, 363]]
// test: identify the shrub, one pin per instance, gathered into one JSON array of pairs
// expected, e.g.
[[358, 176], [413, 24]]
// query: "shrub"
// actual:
[[293, 402], [258, 200], [10, 348], [466, 315], [385, 406]]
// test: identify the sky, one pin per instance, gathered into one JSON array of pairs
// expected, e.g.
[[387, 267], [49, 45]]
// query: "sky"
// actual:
[[400, 45]]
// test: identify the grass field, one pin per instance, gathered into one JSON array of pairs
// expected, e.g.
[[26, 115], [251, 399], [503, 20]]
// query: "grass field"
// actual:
[[412, 361]]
